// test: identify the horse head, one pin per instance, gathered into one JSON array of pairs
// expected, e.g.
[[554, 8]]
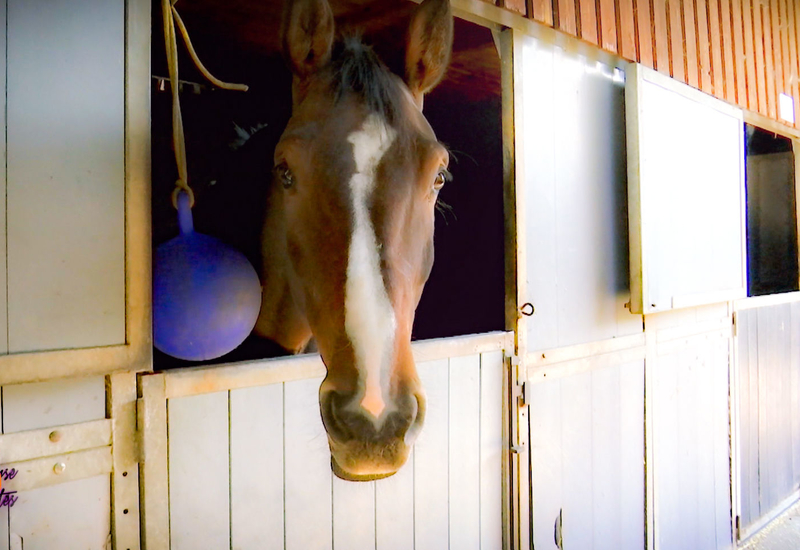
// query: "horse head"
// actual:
[[348, 238]]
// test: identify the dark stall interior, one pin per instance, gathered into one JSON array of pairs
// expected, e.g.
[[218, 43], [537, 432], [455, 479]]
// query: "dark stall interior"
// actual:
[[230, 138], [772, 260]]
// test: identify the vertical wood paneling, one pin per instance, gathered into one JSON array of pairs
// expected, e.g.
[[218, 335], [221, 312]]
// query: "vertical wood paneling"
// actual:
[[794, 353], [256, 454], [66, 179], [661, 37], [45, 404], [750, 56], [644, 35], [76, 514], [793, 59], [464, 452], [769, 58], [588, 21], [546, 464], [431, 507], [760, 60], [542, 11], [690, 44], [491, 450], [703, 45], [307, 469], [728, 60], [715, 40], [394, 510], [566, 16], [738, 54], [198, 457], [677, 49], [786, 64], [775, 32], [3, 188], [626, 31], [353, 514], [608, 24]]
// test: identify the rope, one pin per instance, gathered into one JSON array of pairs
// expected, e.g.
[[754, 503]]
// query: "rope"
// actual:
[[171, 18]]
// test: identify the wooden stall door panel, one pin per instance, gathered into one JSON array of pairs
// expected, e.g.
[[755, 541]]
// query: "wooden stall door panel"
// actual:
[[307, 463], [587, 441], [431, 507], [491, 450], [748, 417], [794, 353], [66, 176], [256, 455], [575, 192], [353, 514], [71, 516], [45, 404], [464, 452], [199, 485], [686, 195], [691, 458], [3, 189], [394, 510]]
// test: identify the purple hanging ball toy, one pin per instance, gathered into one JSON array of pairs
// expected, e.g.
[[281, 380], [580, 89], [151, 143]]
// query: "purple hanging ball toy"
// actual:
[[206, 295]]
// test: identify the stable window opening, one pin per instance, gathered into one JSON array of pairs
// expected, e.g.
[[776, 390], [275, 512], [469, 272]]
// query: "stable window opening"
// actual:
[[772, 264]]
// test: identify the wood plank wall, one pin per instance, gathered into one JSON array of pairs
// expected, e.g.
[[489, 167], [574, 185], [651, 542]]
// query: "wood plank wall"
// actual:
[[742, 51]]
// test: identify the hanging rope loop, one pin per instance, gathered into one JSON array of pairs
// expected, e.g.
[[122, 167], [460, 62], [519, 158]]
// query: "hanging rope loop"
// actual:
[[171, 19]]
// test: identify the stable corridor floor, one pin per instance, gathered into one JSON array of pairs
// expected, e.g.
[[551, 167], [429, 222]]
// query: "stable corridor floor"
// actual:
[[781, 534]]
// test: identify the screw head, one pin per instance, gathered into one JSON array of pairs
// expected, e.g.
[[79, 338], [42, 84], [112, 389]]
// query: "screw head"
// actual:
[[55, 436], [59, 467]]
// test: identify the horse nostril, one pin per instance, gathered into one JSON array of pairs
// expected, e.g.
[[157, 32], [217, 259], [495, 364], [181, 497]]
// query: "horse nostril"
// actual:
[[331, 404]]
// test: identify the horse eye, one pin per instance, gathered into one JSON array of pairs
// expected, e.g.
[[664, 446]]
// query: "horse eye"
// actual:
[[442, 177], [285, 175]]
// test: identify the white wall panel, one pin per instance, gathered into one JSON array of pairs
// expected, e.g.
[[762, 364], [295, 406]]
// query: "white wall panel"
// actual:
[[199, 485], [71, 516], [394, 510], [308, 474], [256, 455], [573, 170], [45, 404], [587, 444], [66, 180], [431, 506], [492, 449]]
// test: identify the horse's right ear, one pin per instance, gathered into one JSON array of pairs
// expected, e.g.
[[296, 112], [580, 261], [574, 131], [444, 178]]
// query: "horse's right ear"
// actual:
[[430, 41], [307, 35]]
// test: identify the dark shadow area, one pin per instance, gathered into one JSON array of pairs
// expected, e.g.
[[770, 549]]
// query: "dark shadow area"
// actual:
[[772, 265]]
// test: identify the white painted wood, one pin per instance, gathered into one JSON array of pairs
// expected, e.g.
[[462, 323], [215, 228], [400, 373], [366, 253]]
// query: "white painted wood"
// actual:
[[31, 444], [685, 162], [199, 485], [154, 464], [256, 454], [575, 191], [691, 452], [353, 514], [308, 474], [66, 179], [546, 464], [46, 404], [394, 509], [125, 509], [431, 507], [491, 450], [577, 442], [57, 469], [464, 452], [3, 189], [631, 474], [69, 516]]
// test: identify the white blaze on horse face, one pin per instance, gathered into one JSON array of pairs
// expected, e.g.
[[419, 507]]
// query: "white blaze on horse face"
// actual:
[[369, 318]]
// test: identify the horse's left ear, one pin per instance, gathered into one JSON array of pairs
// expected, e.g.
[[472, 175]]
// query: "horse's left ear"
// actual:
[[430, 41], [307, 35]]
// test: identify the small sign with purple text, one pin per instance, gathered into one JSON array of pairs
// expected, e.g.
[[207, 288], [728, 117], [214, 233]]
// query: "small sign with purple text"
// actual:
[[7, 498]]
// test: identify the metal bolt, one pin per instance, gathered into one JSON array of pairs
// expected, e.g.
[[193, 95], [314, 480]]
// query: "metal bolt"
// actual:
[[59, 467], [55, 436]]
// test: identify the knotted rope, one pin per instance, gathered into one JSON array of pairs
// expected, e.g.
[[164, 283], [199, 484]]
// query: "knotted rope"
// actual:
[[171, 19]]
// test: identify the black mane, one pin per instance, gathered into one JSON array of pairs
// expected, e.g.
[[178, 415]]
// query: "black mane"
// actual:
[[358, 70]]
